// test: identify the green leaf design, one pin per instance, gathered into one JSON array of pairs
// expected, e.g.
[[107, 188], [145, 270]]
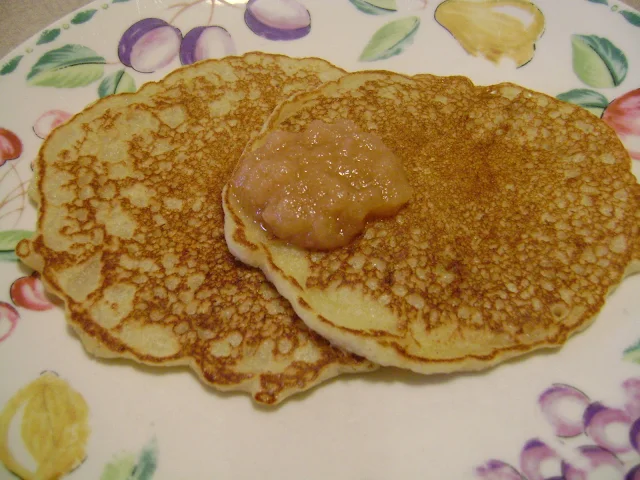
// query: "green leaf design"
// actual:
[[391, 39], [375, 7], [598, 62], [117, 82], [632, 17], [127, 467], [82, 17], [604, 2], [120, 468], [8, 241], [10, 238], [48, 36], [591, 100], [67, 67], [8, 256], [11, 65], [147, 462], [632, 354]]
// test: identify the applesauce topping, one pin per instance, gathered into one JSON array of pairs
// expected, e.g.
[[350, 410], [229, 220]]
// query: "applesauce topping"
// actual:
[[316, 189]]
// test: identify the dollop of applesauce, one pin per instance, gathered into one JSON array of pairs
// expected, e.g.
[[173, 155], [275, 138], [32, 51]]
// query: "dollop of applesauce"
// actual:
[[316, 189]]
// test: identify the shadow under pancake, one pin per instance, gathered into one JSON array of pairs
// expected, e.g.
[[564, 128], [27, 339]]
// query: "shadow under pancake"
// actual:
[[385, 375], [161, 371], [394, 375], [408, 377]]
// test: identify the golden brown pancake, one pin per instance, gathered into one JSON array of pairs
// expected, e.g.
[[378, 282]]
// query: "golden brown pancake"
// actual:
[[130, 230], [453, 83], [524, 217]]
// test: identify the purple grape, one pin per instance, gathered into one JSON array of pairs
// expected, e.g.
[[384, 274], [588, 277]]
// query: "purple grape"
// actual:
[[533, 455], [149, 44], [497, 470], [554, 403], [631, 386], [634, 435], [597, 420], [277, 19], [633, 474], [201, 43], [597, 458]]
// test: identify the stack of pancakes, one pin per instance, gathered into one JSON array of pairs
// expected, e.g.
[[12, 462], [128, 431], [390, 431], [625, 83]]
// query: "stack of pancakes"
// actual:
[[525, 216]]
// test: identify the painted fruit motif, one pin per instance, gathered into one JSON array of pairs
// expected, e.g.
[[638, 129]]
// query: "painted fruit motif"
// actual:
[[492, 28], [10, 146], [563, 407], [54, 428], [278, 19], [597, 422], [149, 45], [28, 292], [609, 439], [201, 43], [9, 317], [598, 459], [497, 470], [536, 454], [623, 115], [48, 121]]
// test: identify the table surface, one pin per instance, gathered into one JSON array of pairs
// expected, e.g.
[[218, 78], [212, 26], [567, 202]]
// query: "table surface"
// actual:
[[19, 19]]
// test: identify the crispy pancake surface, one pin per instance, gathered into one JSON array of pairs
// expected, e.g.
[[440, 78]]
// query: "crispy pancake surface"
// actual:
[[130, 230], [525, 216]]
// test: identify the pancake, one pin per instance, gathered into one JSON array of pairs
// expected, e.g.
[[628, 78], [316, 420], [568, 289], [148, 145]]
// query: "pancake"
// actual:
[[130, 230], [454, 83], [524, 217]]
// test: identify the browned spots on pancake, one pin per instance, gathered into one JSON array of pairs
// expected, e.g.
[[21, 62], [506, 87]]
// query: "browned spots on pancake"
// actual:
[[478, 208], [130, 198], [524, 218]]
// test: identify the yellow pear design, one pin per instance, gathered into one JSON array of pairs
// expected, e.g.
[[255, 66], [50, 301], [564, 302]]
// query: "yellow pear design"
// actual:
[[493, 28], [54, 428]]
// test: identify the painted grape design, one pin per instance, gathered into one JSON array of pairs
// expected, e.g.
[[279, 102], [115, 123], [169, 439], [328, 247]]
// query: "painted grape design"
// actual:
[[153, 43], [609, 436]]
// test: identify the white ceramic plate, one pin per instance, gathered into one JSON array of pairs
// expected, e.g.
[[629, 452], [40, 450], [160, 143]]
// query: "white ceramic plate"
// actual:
[[163, 424]]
